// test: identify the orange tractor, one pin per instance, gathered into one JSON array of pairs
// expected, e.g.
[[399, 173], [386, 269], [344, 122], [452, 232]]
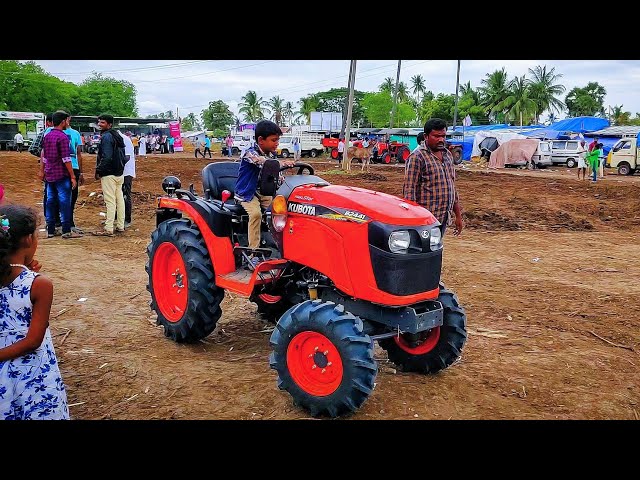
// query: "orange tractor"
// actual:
[[341, 268]]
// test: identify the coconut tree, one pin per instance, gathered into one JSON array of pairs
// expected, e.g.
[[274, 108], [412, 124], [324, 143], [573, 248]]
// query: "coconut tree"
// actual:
[[418, 86], [518, 105], [388, 85], [276, 104], [287, 112], [544, 90], [307, 105], [494, 90], [253, 107]]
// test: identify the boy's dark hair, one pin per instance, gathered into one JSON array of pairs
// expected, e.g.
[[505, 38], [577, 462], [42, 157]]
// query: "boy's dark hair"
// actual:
[[265, 128], [49, 117], [22, 223], [58, 117], [434, 124], [106, 117], [599, 145], [420, 137]]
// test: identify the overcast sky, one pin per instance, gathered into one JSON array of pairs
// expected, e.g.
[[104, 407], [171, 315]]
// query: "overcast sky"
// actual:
[[190, 85]]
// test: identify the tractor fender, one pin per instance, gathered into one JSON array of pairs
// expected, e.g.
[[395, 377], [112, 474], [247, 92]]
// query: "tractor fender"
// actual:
[[215, 226]]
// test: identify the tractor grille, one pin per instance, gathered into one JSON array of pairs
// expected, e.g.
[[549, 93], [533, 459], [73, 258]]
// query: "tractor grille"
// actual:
[[408, 274]]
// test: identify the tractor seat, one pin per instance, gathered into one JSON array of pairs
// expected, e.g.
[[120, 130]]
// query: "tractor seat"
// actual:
[[220, 176]]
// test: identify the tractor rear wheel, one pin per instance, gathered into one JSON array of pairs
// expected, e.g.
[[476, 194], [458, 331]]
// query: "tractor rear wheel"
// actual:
[[334, 153], [323, 358], [182, 282], [402, 154], [435, 349]]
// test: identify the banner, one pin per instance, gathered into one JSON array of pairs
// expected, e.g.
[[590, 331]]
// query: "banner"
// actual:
[[21, 115], [174, 131]]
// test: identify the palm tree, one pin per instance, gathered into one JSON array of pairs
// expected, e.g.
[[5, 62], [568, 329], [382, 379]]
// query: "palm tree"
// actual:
[[253, 107], [388, 85], [287, 112], [518, 105], [418, 85], [277, 105], [543, 90], [619, 116], [403, 92], [307, 105], [494, 89]]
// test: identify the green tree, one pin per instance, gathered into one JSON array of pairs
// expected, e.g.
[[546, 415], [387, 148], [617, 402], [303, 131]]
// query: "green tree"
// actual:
[[276, 104], [388, 85], [418, 86], [217, 116], [253, 108], [619, 116], [288, 112], [335, 100], [442, 106], [307, 105], [26, 87], [190, 123], [517, 106], [586, 101], [544, 91], [99, 94], [377, 109], [494, 90]]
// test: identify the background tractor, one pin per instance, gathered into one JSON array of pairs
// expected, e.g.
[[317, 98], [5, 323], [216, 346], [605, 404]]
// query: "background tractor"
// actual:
[[341, 267]]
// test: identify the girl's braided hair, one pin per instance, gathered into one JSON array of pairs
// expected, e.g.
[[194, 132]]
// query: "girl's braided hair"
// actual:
[[16, 222]]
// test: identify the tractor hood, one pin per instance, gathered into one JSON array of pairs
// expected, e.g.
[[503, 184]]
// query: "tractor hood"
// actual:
[[357, 204]]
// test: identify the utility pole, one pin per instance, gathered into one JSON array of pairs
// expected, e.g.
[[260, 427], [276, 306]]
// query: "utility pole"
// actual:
[[455, 110], [346, 107], [346, 162], [395, 96]]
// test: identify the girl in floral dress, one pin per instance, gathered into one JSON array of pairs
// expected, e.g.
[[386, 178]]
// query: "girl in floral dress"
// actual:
[[31, 387]]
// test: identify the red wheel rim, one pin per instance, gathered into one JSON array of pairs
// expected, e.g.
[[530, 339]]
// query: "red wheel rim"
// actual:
[[314, 363], [428, 343], [170, 282], [266, 298], [386, 158], [405, 155], [334, 154]]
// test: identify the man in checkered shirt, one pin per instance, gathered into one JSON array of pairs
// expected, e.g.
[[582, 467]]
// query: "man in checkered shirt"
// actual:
[[429, 178]]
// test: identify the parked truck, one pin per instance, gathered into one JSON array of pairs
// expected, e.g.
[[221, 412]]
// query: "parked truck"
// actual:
[[310, 144], [624, 155]]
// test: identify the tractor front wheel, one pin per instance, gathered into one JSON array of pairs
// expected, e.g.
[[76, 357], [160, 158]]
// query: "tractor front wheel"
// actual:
[[323, 358], [181, 282], [433, 350]]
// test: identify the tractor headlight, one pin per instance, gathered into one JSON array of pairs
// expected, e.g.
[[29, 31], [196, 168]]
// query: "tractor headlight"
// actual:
[[435, 239], [279, 213], [399, 241]]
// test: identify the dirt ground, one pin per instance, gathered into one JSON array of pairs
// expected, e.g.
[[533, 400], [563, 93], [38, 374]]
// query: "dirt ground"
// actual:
[[546, 268]]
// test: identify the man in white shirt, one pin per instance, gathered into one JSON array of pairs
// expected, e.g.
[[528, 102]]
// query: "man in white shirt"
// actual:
[[19, 141], [129, 174], [340, 149]]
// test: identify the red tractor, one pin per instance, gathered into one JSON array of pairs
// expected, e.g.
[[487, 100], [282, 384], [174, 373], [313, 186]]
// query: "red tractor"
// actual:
[[341, 267], [391, 152]]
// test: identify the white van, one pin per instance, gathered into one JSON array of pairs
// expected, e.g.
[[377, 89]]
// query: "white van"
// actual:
[[542, 157], [241, 141], [565, 152], [310, 144]]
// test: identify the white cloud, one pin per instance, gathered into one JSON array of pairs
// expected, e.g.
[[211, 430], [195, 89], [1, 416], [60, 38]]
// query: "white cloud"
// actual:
[[190, 85]]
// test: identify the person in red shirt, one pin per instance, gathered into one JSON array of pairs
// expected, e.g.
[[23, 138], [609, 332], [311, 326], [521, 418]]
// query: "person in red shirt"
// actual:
[[593, 144]]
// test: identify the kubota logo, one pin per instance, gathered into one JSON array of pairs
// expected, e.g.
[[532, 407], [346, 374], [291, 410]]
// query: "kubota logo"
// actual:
[[302, 209]]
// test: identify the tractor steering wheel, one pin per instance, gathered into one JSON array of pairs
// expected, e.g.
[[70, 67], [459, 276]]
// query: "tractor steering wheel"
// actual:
[[301, 168]]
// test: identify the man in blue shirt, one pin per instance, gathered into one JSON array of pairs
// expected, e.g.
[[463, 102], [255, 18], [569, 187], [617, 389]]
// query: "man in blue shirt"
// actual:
[[267, 137], [207, 146], [75, 148]]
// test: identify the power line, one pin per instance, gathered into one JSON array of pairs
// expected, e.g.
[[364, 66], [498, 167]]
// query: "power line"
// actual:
[[138, 69]]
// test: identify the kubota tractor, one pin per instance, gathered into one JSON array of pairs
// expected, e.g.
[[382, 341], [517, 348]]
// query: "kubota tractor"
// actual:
[[341, 267]]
